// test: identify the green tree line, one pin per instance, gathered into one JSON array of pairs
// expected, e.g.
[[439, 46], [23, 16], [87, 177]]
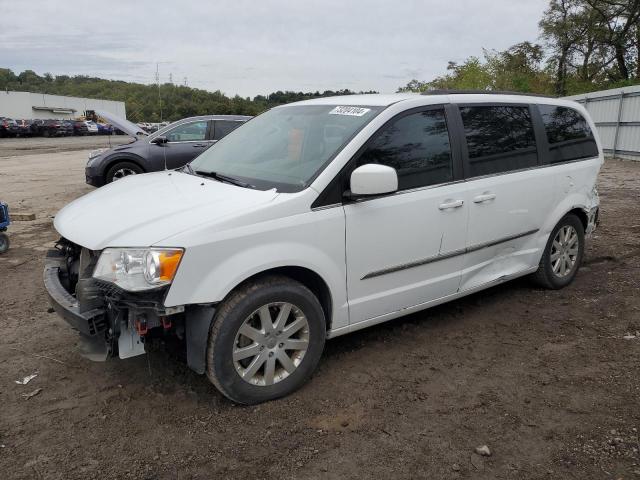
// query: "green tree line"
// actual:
[[585, 45], [143, 102]]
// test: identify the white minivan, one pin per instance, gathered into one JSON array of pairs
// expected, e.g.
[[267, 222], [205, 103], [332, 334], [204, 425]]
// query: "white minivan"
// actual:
[[322, 217]]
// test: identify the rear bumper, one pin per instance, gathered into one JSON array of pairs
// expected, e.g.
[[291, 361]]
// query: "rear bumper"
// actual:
[[89, 323]]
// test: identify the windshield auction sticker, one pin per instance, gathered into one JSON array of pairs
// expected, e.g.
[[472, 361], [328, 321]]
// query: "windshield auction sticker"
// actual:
[[351, 111]]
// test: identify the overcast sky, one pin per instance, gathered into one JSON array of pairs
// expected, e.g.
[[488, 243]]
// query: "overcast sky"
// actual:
[[260, 46]]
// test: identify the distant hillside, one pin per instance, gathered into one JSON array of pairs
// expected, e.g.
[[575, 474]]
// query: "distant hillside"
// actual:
[[142, 100]]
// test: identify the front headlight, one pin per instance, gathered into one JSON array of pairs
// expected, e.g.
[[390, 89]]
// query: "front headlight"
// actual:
[[136, 269]]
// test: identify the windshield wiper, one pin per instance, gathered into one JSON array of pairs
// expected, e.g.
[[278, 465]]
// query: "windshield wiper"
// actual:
[[223, 178]]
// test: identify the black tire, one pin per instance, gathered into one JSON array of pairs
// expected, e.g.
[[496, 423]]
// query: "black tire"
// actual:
[[545, 275], [113, 171], [4, 242], [231, 315]]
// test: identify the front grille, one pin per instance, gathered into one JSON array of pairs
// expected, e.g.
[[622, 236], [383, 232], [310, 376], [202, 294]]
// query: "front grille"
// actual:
[[4, 213]]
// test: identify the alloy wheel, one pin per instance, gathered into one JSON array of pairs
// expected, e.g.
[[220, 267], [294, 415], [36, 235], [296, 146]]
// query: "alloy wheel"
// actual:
[[271, 343], [123, 172], [564, 251]]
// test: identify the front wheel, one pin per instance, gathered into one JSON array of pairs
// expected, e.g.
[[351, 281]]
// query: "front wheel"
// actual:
[[266, 340], [562, 255], [121, 170], [4, 242]]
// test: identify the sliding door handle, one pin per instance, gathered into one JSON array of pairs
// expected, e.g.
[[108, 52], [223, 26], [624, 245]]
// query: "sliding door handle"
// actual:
[[485, 197], [451, 204]]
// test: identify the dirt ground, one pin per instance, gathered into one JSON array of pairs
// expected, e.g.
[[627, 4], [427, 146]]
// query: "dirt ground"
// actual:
[[545, 379]]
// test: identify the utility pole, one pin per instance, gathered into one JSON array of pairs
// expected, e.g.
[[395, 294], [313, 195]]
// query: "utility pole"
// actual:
[[171, 78], [185, 81]]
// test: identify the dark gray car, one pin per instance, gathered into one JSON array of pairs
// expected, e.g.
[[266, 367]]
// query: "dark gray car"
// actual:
[[172, 147]]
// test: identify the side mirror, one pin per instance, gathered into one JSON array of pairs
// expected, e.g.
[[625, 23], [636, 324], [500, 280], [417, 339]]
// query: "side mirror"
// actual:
[[160, 140], [373, 179]]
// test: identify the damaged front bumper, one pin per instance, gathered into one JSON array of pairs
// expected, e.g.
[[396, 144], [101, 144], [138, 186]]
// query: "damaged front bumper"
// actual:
[[113, 322], [88, 323]]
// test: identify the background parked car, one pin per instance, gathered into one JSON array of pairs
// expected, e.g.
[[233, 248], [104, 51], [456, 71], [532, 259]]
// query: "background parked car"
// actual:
[[105, 129], [79, 128], [25, 128], [92, 127], [8, 127], [49, 128], [174, 145]]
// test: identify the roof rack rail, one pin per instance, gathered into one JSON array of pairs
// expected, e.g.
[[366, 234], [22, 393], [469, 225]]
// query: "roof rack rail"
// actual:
[[489, 92]]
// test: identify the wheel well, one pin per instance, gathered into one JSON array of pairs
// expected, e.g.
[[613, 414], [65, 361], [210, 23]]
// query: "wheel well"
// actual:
[[309, 279], [582, 215]]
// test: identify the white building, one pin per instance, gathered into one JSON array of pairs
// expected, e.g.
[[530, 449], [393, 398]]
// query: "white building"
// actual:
[[25, 105], [616, 113]]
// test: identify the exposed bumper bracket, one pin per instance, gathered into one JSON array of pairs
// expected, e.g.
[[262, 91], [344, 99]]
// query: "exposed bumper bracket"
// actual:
[[88, 323]]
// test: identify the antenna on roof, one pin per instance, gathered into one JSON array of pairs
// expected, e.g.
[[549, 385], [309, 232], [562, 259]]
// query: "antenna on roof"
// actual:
[[159, 96]]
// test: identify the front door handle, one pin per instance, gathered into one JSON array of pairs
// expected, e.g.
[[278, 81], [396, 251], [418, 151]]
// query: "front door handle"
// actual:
[[199, 145], [451, 204], [485, 197]]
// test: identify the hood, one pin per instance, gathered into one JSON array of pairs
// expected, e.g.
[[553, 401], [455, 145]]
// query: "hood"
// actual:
[[120, 123], [142, 210]]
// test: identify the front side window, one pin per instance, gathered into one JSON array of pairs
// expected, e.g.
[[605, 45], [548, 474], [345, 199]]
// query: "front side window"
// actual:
[[499, 139], [188, 132], [417, 146], [568, 134], [221, 128], [286, 147]]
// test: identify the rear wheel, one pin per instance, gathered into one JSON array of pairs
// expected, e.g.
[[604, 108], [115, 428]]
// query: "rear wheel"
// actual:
[[4, 242], [121, 170], [266, 340], [562, 255]]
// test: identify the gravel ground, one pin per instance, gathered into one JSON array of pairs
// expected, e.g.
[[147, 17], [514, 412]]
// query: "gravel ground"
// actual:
[[545, 379]]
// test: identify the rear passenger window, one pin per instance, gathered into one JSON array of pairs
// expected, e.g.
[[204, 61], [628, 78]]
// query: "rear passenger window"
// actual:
[[568, 133], [223, 127], [417, 146], [499, 139]]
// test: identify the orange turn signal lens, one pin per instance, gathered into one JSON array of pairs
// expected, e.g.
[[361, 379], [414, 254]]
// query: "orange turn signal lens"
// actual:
[[169, 261]]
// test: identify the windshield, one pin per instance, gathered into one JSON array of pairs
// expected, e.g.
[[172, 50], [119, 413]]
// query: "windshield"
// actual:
[[285, 148]]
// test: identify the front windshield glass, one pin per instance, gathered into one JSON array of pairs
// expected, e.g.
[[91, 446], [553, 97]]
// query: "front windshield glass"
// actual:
[[285, 148]]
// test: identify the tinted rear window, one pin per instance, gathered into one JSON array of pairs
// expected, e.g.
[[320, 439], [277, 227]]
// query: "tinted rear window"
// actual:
[[224, 127], [499, 139], [568, 134]]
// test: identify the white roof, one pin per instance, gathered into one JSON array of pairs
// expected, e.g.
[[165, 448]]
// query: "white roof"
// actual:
[[384, 100]]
